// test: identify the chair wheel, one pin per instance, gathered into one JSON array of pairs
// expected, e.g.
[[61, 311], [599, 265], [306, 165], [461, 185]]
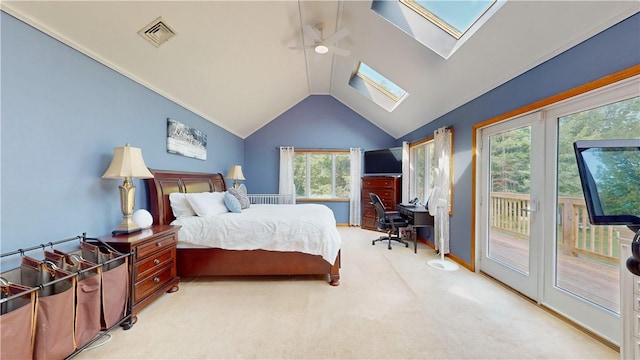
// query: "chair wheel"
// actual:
[[406, 245], [373, 242]]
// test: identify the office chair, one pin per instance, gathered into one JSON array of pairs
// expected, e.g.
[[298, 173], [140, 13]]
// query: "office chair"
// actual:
[[388, 221]]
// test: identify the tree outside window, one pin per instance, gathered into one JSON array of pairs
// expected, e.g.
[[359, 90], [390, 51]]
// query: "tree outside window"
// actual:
[[322, 174], [422, 159]]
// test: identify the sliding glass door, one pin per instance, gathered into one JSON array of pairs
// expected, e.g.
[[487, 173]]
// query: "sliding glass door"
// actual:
[[533, 230]]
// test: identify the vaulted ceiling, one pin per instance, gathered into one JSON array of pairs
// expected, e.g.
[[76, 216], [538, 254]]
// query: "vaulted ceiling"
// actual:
[[231, 61]]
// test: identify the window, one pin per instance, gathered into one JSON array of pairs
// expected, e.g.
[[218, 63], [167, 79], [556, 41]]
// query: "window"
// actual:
[[322, 175], [381, 83], [442, 26], [377, 88], [454, 17], [422, 164]]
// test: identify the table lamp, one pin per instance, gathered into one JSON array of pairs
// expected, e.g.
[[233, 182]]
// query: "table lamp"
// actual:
[[235, 173], [127, 163]]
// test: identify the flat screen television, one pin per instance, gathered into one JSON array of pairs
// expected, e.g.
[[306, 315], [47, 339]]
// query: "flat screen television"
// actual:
[[610, 177], [383, 162]]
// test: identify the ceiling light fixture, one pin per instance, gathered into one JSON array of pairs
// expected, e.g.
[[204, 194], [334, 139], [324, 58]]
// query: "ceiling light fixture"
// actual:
[[321, 49]]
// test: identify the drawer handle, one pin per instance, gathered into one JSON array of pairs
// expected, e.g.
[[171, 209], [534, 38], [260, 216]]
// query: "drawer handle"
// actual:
[[156, 279], [159, 244], [156, 261]]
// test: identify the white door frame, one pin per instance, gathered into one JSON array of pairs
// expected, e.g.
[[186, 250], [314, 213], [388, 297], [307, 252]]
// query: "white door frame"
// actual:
[[527, 284], [603, 322], [600, 321]]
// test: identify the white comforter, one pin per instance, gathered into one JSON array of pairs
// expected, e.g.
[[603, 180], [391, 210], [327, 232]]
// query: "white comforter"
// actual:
[[307, 228]]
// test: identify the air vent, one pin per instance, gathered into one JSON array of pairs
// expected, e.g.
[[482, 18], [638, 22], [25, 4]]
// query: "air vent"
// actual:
[[157, 32]]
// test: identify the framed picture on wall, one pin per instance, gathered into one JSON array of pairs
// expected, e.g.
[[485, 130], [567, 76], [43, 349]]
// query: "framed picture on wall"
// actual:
[[186, 141]]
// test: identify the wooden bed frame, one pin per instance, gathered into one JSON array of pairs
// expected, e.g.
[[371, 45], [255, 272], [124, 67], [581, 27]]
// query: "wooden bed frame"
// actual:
[[216, 261]]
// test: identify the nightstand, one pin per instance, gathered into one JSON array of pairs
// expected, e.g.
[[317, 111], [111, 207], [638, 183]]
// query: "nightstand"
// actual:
[[154, 262]]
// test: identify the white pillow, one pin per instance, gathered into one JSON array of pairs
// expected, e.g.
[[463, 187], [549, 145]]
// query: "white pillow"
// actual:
[[207, 203], [180, 206]]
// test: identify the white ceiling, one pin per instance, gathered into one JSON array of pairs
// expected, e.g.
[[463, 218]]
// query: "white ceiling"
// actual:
[[231, 63]]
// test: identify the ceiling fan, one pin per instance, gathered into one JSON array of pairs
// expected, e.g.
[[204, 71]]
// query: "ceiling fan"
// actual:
[[323, 46]]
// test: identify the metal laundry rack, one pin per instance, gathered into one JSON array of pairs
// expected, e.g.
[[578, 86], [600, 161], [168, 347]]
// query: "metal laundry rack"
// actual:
[[126, 322]]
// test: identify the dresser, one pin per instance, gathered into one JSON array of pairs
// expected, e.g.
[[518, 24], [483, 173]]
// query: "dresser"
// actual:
[[629, 306], [154, 262], [388, 188]]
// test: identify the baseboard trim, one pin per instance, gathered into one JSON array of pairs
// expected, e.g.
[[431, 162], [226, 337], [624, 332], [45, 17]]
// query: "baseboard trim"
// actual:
[[449, 256]]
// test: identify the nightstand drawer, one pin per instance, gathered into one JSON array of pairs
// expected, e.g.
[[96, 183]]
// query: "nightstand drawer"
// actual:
[[154, 263], [151, 247], [153, 282]]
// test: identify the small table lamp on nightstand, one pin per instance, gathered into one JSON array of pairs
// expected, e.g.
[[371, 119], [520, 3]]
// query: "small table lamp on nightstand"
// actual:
[[235, 173], [127, 163]]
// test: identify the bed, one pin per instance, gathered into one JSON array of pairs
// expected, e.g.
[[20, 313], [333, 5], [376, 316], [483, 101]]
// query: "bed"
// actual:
[[214, 261]]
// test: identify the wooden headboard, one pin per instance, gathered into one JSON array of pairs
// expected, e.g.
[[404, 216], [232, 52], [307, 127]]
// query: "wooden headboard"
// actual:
[[165, 182]]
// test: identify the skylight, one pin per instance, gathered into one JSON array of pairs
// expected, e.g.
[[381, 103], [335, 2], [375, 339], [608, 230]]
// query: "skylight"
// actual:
[[454, 17], [442, 26], [377, 88]]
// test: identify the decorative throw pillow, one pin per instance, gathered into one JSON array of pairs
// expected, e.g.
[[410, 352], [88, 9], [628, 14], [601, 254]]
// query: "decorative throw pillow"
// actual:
[[207, 203], [242, 198], [243, 189], [180, 206], [232, 203]]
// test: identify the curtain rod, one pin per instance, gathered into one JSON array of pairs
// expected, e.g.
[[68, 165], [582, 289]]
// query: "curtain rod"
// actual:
[[422, 139]]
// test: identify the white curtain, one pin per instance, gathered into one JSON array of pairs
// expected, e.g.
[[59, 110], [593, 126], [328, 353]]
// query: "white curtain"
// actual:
[[287, 187], [355, 210], [440, 196], [406, 172]]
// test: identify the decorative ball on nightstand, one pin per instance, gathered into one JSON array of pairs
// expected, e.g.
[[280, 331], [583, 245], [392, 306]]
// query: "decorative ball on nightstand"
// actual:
[[142, 217]]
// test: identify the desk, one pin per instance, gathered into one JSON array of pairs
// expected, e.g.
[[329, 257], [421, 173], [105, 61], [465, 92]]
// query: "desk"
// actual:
[[417, 216]]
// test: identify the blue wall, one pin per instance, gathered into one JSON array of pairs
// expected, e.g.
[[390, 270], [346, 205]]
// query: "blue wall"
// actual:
[[317, 122], [62, 115], [615, 49]]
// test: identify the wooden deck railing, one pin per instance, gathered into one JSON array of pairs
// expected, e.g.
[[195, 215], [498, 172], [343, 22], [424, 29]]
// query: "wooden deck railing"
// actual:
[[508, 214], [575, 234]]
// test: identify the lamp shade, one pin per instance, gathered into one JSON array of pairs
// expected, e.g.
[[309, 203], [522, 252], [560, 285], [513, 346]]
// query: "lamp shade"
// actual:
[[127, 162], [235, 173]]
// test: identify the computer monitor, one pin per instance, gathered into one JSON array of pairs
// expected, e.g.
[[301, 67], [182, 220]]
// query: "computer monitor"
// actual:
[[610, 176]]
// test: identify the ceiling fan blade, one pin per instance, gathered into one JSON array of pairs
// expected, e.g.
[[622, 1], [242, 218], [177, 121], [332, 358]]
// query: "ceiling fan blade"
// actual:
[[311, 34], [301, 47], [339, 51], [337, 36]]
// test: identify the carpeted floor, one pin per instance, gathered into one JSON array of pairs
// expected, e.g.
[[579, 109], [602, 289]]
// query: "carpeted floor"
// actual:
[[390, 305]]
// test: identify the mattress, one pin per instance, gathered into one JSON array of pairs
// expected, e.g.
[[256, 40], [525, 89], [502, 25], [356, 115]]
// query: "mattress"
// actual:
[[306, 228]]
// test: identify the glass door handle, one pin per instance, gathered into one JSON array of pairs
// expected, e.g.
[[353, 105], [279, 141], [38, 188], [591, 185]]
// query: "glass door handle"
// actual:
[[533, 205]]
